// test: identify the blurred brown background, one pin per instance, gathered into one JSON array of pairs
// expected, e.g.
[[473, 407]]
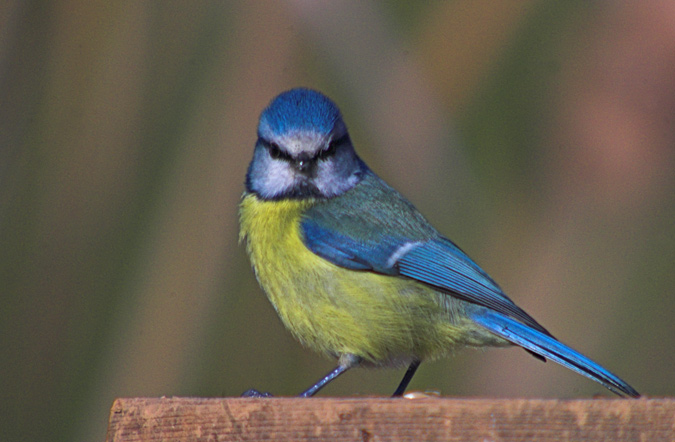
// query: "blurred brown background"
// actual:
[[539, 135]]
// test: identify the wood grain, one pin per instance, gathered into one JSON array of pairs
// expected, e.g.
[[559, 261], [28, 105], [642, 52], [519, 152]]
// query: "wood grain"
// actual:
[[372, 419]]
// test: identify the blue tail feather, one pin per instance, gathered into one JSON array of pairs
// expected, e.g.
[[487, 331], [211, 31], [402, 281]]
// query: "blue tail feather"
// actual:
[[548, 347]]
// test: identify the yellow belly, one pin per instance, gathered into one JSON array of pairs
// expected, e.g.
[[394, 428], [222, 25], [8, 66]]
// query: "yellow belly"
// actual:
[[383, 319]]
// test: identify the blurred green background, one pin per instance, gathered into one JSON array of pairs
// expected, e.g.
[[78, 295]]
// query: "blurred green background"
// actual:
[[539, 135]]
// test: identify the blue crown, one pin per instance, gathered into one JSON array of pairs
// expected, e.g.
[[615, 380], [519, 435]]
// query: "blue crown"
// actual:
[[298, 109]]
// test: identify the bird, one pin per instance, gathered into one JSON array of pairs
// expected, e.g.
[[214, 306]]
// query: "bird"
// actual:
[[355, 271]]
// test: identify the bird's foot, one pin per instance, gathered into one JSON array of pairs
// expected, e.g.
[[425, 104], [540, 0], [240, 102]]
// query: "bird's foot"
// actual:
[[255, 393]]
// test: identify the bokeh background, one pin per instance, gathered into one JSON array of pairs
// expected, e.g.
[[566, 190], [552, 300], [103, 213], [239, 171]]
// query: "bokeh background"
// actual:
[[539, 135]]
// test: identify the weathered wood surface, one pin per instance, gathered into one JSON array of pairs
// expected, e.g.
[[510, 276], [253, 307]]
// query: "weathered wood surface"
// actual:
[[385, 419]]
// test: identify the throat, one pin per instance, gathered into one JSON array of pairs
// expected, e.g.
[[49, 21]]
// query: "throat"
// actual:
[[270, 217], [301, 190]]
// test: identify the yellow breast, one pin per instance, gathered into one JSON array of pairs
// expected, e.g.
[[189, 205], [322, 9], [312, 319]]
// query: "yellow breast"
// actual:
[[336, 310]]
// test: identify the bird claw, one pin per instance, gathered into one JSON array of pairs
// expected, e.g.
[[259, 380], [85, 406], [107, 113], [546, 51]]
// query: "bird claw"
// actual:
[[255, 393]]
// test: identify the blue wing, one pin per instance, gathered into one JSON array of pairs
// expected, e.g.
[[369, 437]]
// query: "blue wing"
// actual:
[[441, 264], [435, 261], [373, 228]]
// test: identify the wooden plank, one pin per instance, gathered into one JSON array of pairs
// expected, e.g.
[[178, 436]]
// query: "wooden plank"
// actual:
[[371, 419]]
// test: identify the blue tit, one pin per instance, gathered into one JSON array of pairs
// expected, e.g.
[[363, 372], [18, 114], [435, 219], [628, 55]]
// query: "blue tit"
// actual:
[[354, 271]]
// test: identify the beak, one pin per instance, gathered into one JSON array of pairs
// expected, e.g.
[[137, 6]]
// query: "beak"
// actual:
[[306, 166]]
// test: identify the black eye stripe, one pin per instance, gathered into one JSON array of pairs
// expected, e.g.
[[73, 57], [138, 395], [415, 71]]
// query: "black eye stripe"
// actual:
[[275, 151], [332, 147]]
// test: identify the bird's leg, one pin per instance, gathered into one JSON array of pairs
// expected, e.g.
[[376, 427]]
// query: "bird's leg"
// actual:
[[346, 362], [407, 377]]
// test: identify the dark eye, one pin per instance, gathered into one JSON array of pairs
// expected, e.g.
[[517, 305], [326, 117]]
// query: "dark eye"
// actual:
[[275, 150], [331, 149]]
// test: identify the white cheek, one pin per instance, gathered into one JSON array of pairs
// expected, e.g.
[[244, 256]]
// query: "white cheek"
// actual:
[[279, 178], [331, 181]]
